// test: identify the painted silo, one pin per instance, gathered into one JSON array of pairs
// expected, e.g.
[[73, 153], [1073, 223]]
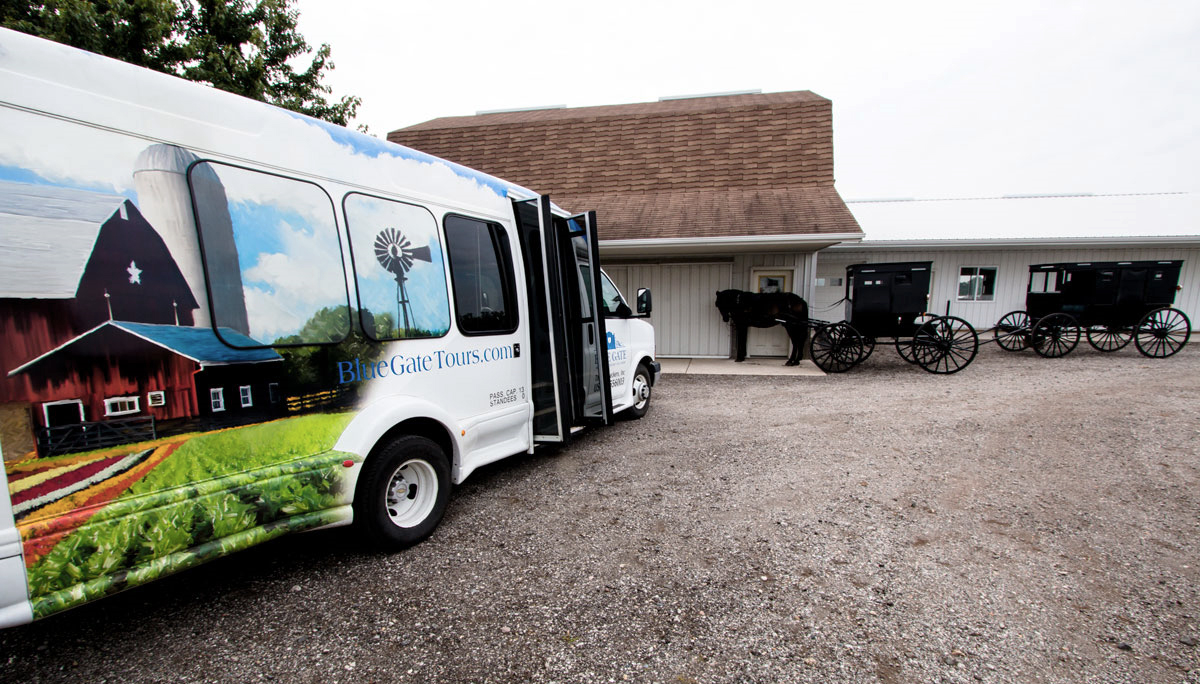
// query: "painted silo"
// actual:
[[160, 180]]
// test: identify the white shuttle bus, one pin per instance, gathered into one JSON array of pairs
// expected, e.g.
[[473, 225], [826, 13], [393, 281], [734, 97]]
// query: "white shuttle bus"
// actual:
[[223, 322]]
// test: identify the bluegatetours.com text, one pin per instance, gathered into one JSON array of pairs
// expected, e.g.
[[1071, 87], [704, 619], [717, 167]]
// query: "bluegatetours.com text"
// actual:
[[399, 364]]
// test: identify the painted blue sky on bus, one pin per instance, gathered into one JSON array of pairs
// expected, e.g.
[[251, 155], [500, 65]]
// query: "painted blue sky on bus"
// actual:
[[370, 146], [18, 174]]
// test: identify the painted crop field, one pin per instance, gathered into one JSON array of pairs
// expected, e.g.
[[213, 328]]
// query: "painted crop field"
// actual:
[[98, 522]]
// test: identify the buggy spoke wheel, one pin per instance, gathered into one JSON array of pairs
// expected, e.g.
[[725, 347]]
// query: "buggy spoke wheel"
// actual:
[[1012, 332], [1054, 336], [868, 347], [946, 344], [904, 346], [836, 348], [1162, 332], [1108, 338]]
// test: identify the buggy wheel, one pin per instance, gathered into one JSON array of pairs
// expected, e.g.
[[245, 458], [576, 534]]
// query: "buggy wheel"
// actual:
[[868, 347], [836, 348], [1012, 332], [946, 344], [1162, 332], [1055, 335], [1108, 338], [904, 346]]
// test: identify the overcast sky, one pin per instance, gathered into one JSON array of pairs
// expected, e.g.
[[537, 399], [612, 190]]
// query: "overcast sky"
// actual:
[[930, 99]]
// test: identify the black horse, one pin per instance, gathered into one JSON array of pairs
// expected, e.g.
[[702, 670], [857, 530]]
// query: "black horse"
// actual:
[[764, 310]]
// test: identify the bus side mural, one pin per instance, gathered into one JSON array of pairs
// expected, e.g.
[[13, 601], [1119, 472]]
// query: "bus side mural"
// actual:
[[224, 322]]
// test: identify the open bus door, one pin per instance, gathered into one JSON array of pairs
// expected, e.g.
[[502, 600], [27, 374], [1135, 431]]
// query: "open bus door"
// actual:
[[570, 354]]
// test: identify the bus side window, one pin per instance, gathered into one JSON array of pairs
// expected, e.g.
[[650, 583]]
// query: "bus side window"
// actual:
[[272, 257], [399, 268], [614, 304], [482, 274]]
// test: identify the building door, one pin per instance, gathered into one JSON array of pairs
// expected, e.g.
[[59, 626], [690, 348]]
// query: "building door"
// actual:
[[772, 341]]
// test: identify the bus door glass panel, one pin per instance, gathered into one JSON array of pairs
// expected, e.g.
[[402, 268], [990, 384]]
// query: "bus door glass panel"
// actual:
[[547, 365], [589, 367]]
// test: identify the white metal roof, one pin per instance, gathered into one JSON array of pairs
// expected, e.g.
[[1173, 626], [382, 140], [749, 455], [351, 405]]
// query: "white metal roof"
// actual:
[[1091, 218]]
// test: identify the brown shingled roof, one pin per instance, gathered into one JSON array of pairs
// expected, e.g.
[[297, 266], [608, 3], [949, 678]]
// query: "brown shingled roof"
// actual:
[[757, 164], [808, 210]]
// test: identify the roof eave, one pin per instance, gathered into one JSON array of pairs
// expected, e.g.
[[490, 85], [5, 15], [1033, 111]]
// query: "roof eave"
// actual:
[[733, 244]]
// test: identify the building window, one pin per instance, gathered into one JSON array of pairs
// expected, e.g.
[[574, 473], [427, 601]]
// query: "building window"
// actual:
[[122, 406], [829, 282], [247, 396], [482, 274], [772, 282], [217, 396], [977, 283], [273, 392], [156, 398]]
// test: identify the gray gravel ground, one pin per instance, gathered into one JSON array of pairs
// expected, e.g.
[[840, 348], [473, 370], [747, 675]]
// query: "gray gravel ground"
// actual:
[[1027, 520]]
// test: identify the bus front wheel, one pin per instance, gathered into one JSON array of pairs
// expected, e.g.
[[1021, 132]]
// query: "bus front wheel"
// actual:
[[402, 492], [641, 394]]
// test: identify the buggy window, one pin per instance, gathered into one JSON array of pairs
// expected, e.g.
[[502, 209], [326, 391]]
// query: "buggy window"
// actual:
[[1043, 281]]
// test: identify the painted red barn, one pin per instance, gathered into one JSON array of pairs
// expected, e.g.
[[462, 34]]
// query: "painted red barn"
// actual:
[[97, 322]]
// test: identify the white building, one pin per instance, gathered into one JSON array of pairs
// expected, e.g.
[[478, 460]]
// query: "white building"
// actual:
[[981, 249], [737, 191]]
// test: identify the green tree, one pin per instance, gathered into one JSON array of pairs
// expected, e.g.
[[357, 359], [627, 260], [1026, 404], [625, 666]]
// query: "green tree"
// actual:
[[316, 365], [142, 32], [244, 47]]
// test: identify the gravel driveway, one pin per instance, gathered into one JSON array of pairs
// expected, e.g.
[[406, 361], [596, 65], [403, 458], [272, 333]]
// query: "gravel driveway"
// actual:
[[1026, 520]]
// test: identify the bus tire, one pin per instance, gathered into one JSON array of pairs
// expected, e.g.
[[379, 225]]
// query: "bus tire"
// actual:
[[402, 493], [641, 392]]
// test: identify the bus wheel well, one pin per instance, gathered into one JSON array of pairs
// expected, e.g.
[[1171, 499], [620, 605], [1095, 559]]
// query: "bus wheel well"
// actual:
[[421, 427], [646, 361]]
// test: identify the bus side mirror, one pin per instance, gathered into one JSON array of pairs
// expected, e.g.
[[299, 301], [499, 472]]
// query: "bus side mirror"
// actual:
[[644, 305]]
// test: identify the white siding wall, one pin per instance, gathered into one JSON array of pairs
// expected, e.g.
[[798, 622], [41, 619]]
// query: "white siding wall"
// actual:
[[1012, 277], [685, 319]]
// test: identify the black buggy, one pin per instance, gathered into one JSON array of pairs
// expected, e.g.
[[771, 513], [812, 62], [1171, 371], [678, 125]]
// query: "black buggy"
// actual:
[[1112, 302], [889, 301]]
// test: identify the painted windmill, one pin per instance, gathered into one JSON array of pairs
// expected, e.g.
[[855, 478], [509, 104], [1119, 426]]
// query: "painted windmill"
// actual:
[[396, 254]]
